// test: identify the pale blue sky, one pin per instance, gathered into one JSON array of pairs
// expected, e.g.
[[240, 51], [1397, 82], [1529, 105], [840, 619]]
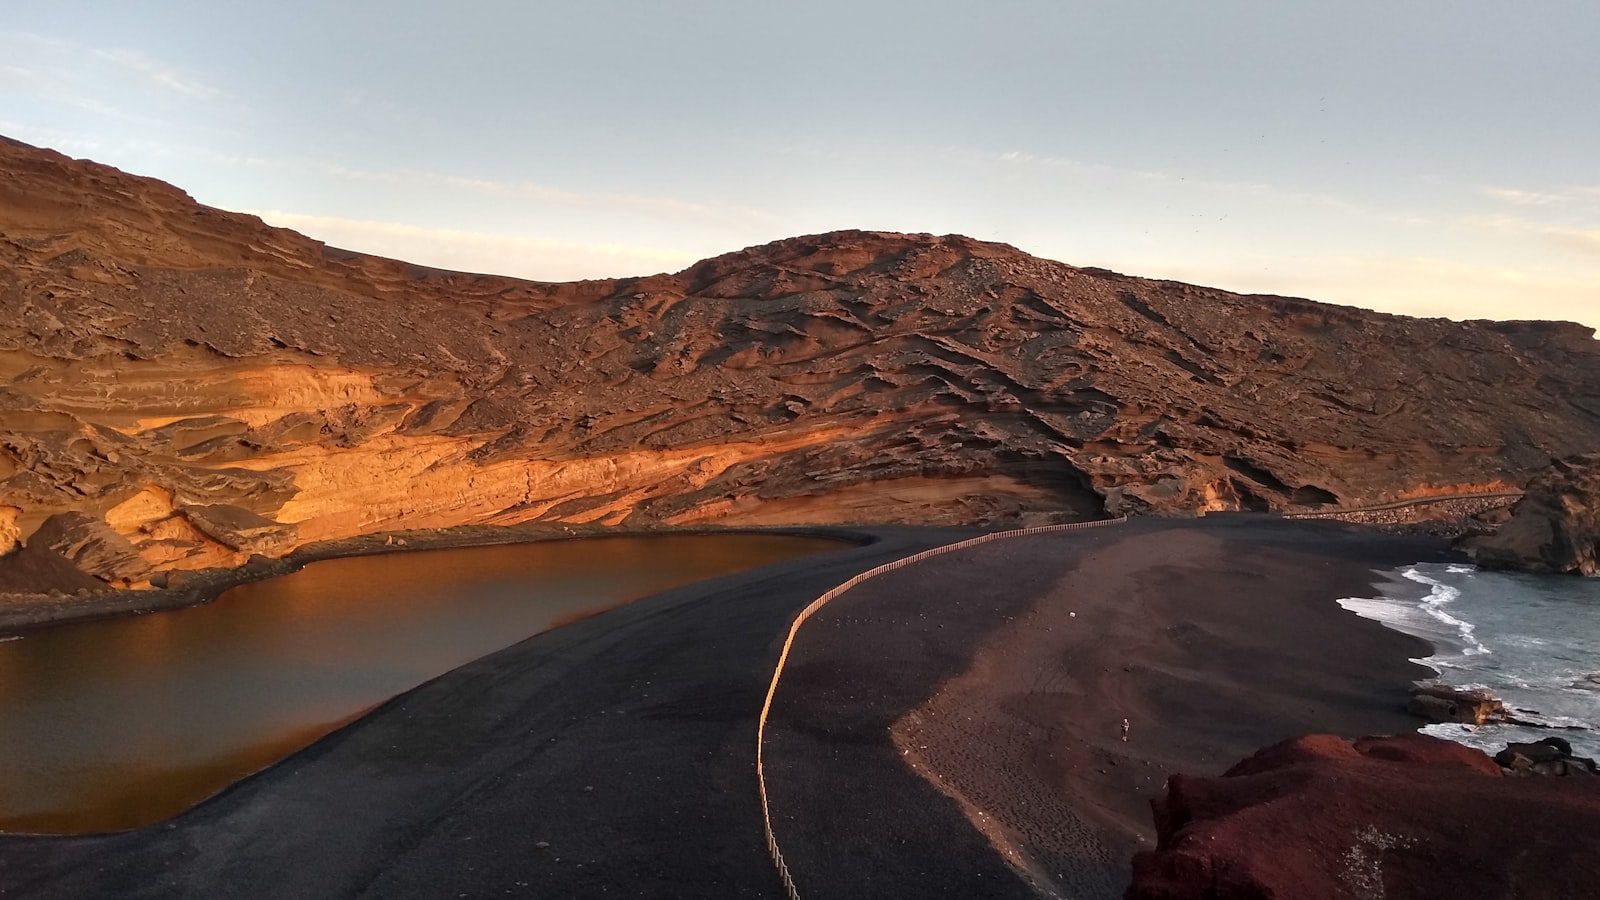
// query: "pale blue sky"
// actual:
[[1433, 158]]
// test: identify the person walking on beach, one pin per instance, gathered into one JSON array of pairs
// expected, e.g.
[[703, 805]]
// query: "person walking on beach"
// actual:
[[1125, 731]]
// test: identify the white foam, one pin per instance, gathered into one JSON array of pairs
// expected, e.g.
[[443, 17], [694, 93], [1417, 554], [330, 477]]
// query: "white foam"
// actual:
[[1401, 617], [1439, 595], [1536, 627]]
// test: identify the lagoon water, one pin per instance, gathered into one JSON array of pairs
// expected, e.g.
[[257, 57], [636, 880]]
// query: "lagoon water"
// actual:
[[1534, 641], [122, 722]]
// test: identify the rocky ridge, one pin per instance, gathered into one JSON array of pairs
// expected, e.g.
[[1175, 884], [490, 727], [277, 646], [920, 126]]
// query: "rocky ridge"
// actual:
[[183, 387]]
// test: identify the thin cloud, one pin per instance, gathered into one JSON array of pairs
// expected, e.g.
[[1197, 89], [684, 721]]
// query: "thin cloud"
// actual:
[[384, 111], [668, 207], [53, 64], [158, 73], [1409, 285], [658, 206], [1582, 239], [1525, 198], [40, 41], [55, 139], [19, 76], [473, 251], [62, 94], [1256, 189]]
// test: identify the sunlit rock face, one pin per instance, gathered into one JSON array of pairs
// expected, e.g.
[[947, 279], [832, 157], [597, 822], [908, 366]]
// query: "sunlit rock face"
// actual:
[[208, 387], [1555, 528]]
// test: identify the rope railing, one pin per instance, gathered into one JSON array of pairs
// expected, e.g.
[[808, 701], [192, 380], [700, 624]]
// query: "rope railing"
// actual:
[[811, 609]]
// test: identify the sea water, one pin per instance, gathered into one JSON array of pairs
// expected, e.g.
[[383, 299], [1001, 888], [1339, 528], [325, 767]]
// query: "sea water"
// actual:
[[1531, 640]]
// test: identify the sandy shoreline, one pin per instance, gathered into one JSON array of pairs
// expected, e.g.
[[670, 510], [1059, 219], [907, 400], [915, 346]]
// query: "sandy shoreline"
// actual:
[[23, 612], [615, 756], [970, 707], [623, 742]]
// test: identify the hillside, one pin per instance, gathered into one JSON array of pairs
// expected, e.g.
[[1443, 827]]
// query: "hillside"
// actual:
[[182, 387]]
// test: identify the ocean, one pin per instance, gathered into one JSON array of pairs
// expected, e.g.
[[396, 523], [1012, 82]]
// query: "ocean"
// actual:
[[1532, 640]]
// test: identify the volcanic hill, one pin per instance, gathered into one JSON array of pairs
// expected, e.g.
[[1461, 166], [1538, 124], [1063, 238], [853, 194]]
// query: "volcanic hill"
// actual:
[[182, 387]]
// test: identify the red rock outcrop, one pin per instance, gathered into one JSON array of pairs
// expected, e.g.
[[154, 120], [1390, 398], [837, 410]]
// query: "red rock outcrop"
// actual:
[[1554, 528], [159, 357], [1399, 818]]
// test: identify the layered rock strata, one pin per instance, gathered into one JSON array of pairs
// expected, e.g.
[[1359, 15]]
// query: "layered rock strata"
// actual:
[[189, 386]]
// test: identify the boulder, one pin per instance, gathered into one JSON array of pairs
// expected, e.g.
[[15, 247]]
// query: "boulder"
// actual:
[[1554, 528], [91, 546], [1443, 703], [38, 570], [1547, 756], [240, 529]]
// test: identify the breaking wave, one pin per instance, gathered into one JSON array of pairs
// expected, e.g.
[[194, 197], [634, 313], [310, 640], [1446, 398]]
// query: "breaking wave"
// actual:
[[1534, 641]]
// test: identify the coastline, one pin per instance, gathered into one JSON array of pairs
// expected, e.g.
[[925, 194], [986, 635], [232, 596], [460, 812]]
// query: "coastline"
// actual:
[[20, 613], [620, 742], [1522, 638], [969, 708]]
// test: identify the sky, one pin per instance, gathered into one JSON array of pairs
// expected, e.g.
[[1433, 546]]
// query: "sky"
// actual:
[[1428, 158]]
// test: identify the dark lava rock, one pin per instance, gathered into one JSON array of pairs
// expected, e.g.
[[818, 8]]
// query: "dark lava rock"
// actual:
[[1547, 756], [1402, 818], [1443, 703], [1554, 528]]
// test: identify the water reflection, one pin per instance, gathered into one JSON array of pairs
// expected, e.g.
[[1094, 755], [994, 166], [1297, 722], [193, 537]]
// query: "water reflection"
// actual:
[[122, 722]]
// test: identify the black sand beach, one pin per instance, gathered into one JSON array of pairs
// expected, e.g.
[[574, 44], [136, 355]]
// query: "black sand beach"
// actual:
[[970, 706], [614, 756], [625, 742]]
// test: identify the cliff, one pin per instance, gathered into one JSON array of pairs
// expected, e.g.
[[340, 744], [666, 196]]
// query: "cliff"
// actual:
[[1555, 528], [182, 387]]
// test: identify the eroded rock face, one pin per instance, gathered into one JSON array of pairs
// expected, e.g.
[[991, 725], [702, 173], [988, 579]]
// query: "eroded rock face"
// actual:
[[10, 531], [240, 529], [158, 357], [91, 545], [1443, 703], [1400, 818], [1554, 528]]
